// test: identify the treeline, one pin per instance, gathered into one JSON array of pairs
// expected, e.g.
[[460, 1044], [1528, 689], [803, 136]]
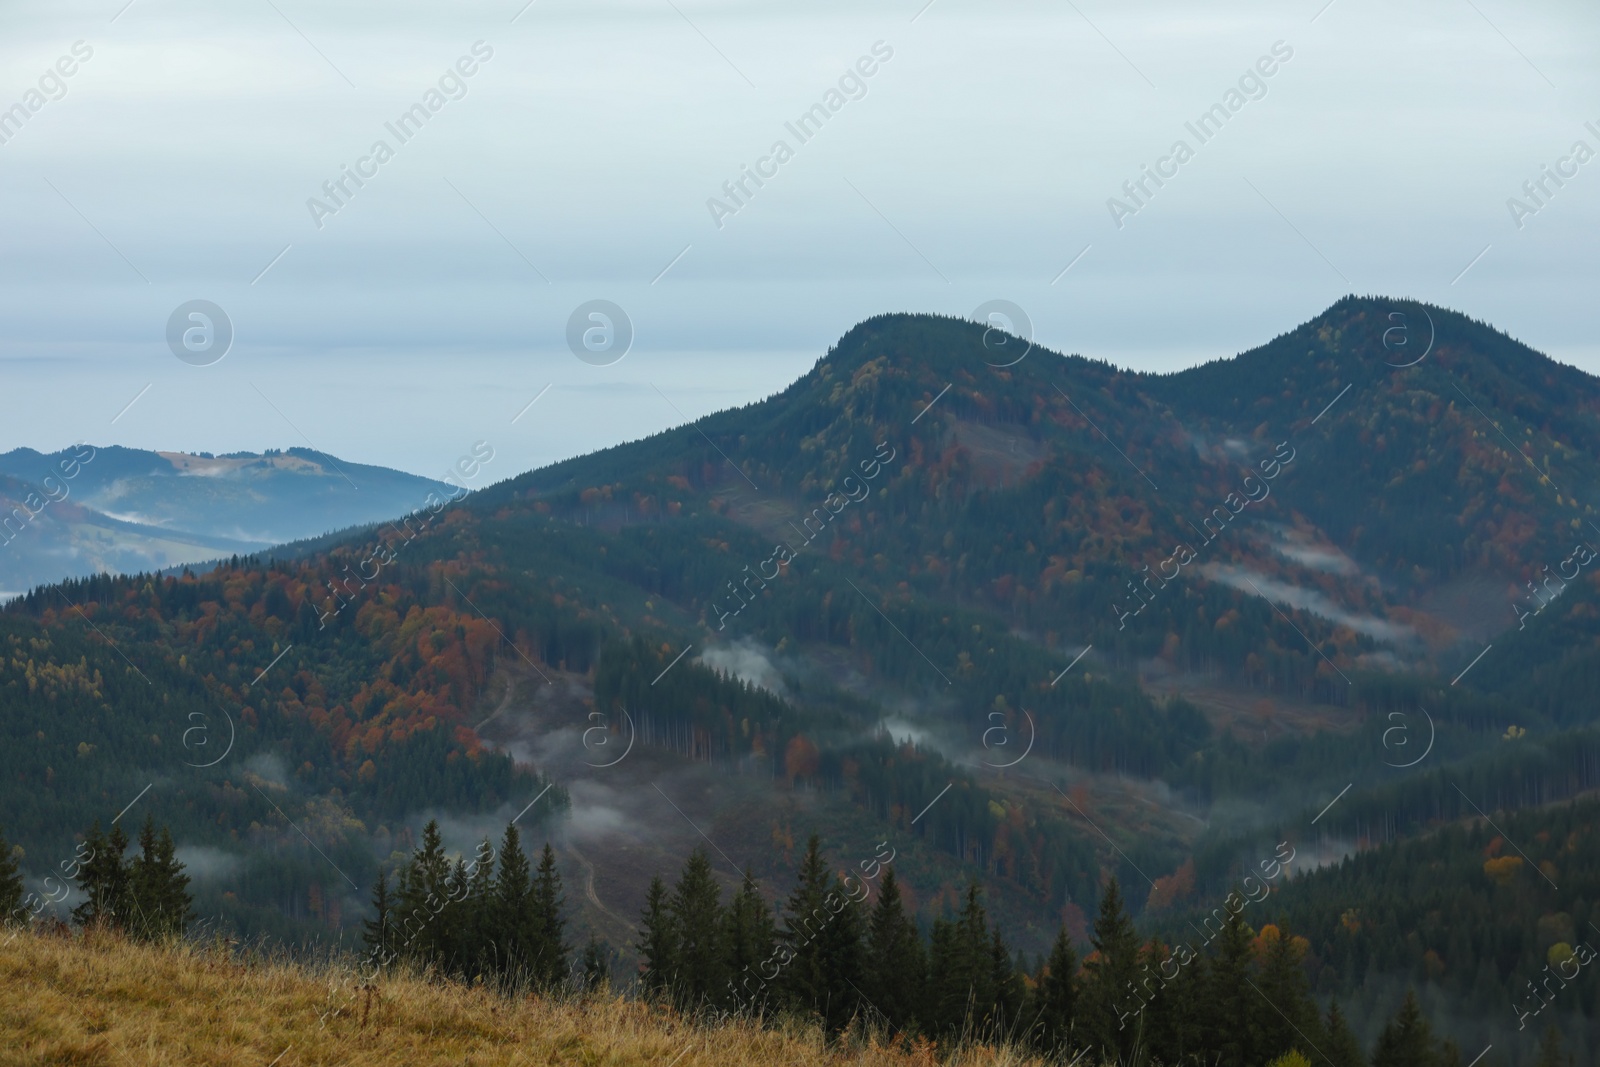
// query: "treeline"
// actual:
[[146, 897], [491, 918], [826, 952]]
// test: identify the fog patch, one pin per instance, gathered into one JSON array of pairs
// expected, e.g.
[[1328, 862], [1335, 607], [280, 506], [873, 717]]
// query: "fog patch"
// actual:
[[267, 768], [1316, 603], [747, 661], [202, 863]]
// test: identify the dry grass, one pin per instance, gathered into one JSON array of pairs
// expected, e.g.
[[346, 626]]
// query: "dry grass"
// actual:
[[99, 999]]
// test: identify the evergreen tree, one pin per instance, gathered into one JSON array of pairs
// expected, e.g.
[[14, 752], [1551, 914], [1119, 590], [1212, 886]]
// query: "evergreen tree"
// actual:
[[1295, 1022], [962, 972], [596, 966], [748, 939], [482, 953], [1342, 1048], [1113, 1020], [157, 887], [1235, 1010], [697, 916], [895, 967], [423, 894], [804, 979], [550, 951], [1010, 991], [510, 913], [377, 933], [1056, 1002], [11, 888], [455, 922], [842, 972], [103, 877], [658, 942], [1407, 1039]]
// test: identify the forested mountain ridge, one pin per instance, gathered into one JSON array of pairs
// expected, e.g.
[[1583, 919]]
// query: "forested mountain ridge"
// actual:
[[997, 562]]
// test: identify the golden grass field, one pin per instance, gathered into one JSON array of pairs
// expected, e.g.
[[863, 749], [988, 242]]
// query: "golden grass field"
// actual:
[[99, 999]]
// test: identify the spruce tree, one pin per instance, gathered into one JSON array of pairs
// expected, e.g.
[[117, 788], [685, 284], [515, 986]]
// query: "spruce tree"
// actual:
[[1010, 991], [942, 1007], [803, 981], [895, 969], [1112, 1016], [11, 888], [748, 939], [510, 916], [596, 966], [1235, 1009], [841, 942], [1342, 1048], [697, 917], [658, 943], [377, 933], [1406, 1040], [454, 922], [423, 894], [1295, 1022], [1056, 1001], [483, 955], [550, 951], [103, 877]]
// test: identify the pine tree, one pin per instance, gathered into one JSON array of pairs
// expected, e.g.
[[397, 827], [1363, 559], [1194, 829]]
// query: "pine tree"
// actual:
[[103, 877], [658, 942], [1406, 1040], [1056, 1003], [1342, 1048], [895, 969], [11, 888], [550, 951], [1112, 1009], [377, 933], [697, 916], [748, 939]]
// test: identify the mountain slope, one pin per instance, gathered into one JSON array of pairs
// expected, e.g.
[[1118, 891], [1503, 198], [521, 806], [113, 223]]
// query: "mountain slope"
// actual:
[[1039, 624]]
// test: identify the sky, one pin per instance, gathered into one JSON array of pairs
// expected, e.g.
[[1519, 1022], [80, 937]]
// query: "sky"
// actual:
[[403, 320]]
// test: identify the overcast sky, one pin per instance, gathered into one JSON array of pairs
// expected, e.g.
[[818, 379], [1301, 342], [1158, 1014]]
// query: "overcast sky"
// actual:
[[975, 163]]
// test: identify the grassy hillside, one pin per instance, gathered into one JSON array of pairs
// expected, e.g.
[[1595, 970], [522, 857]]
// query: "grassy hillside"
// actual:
[[102, 1000]]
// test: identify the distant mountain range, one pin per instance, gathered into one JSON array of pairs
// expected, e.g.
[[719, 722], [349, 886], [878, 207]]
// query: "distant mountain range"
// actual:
[[85, 509]]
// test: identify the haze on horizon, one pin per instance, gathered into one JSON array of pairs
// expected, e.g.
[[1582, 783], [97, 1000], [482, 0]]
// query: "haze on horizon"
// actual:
[[975, 163]]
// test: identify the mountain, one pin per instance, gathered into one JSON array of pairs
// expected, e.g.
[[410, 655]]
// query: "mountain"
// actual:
[[1038, 624], [85, 509]]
